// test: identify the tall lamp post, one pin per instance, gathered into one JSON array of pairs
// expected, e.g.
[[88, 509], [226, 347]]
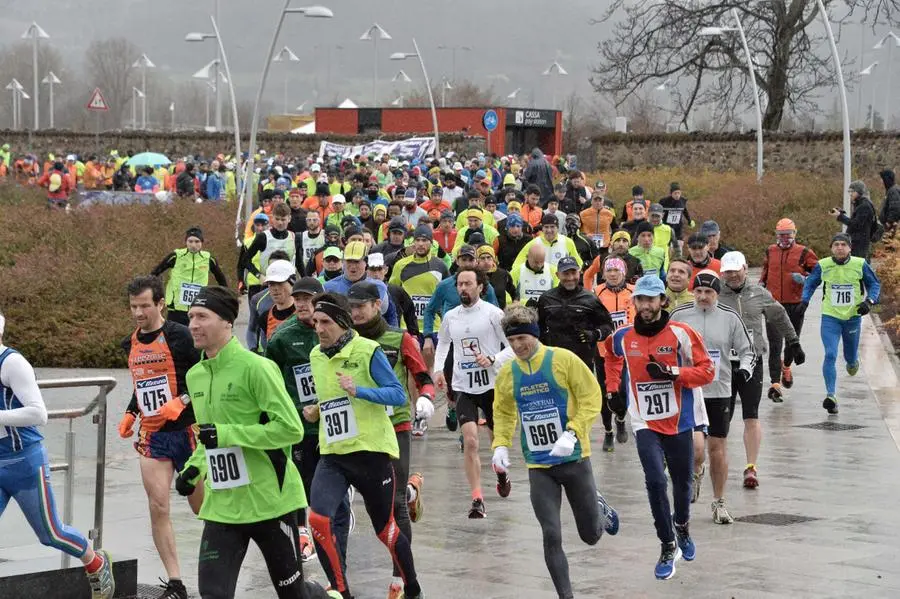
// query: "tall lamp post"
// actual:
[[445, 86], [36, 34], [560, 71], [751, 69], [143, 63], [401, 77], [434, 121], [886, 40], [453, 50], [135, 94], [206, 74], [315, 12], [199, 37], [50, 80], [286, 55], [860, 120], [374, 33], [662, 87], [18, 93]]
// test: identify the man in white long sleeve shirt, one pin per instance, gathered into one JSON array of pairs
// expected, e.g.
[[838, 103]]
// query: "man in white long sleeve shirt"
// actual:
[[473, 328], [25, 469]]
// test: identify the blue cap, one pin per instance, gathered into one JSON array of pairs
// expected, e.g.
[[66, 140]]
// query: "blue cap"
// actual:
[[649, 286], [514, 220], [261, 218], [410, 194], [480, 174]]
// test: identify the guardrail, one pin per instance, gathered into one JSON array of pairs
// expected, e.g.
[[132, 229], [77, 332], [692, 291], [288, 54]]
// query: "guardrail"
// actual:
[[105, 384]]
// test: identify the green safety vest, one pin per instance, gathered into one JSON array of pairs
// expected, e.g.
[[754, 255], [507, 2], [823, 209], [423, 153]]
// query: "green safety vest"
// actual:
[[419, 278], [349, 424], [652, 260], [390, 343], [842, 286], [189, 275], [251, 279]]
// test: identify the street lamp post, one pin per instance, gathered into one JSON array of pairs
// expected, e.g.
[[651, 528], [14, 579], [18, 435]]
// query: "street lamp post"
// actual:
[[199, 37], [51, 79], [374, 33], [320, 12], [860, 119], [434, 121], [143, 63], [135, 94], [445, 85], [560, 71], [206, 74], [18, 93], [845, 113], [751, 69], [401, 77], [453, 50], [662, 87], [513, 94], [887, 88], [36, 34], [286, 55]]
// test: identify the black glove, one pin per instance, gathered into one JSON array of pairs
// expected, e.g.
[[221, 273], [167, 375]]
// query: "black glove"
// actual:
[[864, 308], [744, 375], [801, 309], [209, 436], [798, 354], [588, 335], [615, 402], [659, 371], [183, 484]]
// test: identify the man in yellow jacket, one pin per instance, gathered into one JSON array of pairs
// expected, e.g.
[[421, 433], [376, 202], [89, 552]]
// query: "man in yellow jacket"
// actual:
[[555, 398]]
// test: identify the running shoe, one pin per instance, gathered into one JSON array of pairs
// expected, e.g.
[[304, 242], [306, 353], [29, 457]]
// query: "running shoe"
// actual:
[[830, 404], [697, 483], [103, 583], [685, 542], [610, 515], [477, 510], [665, 567], [787, 377], [751, 479], [307, 547], [852, 369], [451, 420], [173, 589], [416, 507], [395, 591], [775, 393], [420, 425], [720, 512], [609, 442], [504, 485], [462, 446], [621, 433]]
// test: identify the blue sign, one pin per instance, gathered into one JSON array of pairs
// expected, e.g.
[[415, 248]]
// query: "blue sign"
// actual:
[[490, 120]]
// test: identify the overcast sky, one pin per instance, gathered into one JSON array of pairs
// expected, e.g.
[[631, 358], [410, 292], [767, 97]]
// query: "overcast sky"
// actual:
[[516, 39]]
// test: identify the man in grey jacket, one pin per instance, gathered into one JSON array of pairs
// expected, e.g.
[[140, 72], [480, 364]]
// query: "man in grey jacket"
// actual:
[[538, 172], [754, 303], [724, 336]]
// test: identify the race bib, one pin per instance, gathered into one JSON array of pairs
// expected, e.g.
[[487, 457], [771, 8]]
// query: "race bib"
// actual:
[[476, 378], [152, 394], [673, 217], [716, 356], [339, 420], [842, 295], [420, 302], [656, 400], [542, 428], [620, 319], [189, 292], [226, 468], [306, 387], [597, 239]]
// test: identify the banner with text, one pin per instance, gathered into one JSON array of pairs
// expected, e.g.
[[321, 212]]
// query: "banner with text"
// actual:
[[406, 149]]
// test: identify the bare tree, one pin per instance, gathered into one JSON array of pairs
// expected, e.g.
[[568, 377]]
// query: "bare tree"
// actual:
[[660, 39], [16, 62], [464, 93], [108, 64]]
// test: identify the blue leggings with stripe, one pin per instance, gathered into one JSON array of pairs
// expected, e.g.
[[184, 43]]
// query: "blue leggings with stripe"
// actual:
[[27, 480], [834, 331]]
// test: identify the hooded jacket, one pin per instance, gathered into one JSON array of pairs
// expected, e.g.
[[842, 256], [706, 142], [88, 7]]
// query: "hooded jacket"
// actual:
[[538, 172], [860, 222], [890, 210]]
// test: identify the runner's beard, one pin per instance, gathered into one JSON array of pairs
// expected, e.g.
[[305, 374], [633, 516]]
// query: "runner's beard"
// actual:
[[653, 314]]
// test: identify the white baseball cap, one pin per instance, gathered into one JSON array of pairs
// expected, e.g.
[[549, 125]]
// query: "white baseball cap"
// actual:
[[338, 198], [316, 167], [732, 261], [375, 260], [280, 271]]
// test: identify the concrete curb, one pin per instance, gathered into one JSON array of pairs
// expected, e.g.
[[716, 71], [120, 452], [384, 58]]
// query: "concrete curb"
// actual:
[[876, 350], [889, 349]]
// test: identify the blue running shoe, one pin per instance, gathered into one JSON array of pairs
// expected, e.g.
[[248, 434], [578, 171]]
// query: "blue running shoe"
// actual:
[[665, 567], [609, 515], [685, 542]]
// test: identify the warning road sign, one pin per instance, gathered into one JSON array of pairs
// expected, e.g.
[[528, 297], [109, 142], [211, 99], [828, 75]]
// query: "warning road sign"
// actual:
[[97, 101]]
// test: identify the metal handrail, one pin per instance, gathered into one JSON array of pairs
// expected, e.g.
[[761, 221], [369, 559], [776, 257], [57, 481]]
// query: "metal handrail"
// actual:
[[105, 384]]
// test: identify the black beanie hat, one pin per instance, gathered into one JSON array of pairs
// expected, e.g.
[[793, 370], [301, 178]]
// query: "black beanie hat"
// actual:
[[841, 237], [194, 232], [221, 300], [708, 278], [643, 227]]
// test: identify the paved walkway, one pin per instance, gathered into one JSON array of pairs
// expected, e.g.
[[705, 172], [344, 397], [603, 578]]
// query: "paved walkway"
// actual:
[[846, 482]]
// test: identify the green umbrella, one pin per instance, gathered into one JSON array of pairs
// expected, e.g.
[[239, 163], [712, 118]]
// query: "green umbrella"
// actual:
[[148, 159]]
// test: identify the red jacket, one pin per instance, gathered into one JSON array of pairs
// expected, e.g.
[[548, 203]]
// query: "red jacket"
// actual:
[[667, 407], [778, 267], [713, 265], [64, 190], [445, 240]]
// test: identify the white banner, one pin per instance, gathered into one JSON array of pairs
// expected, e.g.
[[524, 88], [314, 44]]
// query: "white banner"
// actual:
[[406, 149]]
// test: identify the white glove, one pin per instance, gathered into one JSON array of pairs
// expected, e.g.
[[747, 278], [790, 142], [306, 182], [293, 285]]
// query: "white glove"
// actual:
[[500, 460], [424, 408], [565, 445]]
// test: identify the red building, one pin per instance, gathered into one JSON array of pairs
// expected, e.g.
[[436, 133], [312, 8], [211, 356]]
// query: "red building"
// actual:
[[518, 129]]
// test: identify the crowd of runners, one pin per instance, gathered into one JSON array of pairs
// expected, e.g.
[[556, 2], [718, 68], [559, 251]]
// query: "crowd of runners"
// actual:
[[509, 287]]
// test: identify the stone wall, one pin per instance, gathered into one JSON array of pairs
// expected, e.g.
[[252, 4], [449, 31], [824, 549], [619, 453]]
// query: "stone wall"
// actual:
[[815, 153], [191, 143]]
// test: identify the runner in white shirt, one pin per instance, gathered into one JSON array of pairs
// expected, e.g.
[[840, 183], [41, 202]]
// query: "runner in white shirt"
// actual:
[[473, 328]]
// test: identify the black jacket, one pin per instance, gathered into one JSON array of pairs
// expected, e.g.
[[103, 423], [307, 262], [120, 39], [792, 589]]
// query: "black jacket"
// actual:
[[509, 249], [184, 184], [502, 283], [563, 316], [859, 226], [405, 307], [890, 210], [538, 172]]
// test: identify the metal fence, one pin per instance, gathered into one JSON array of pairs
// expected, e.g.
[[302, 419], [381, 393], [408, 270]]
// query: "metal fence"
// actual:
[[98, 405]]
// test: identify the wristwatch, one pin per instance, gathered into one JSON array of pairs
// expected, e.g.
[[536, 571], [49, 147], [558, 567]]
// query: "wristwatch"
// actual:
[[186, 399]]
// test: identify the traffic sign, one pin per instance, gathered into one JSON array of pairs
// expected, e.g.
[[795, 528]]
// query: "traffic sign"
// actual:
[[490, 120], [97, 101]]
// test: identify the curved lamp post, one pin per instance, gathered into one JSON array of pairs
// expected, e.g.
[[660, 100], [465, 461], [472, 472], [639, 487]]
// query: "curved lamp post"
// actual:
[[434, 121], [374, 33]]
